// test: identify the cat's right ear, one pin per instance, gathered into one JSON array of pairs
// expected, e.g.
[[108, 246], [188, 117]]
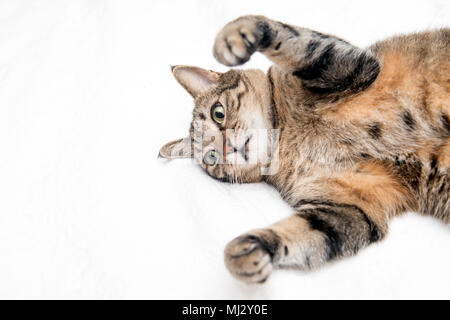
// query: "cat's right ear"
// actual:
[[195, 80], [177, 149]]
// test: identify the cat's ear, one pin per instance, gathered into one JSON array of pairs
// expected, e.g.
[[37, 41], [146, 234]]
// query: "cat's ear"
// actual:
[[176, 149], [195, 80]]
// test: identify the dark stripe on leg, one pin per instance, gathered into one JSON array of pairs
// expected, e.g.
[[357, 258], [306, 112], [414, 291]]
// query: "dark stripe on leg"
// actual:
[[290, 29], [320, 35], [365, 71], [332, 238], [311, 48], [336, 70], [374, 232], [318, 66]]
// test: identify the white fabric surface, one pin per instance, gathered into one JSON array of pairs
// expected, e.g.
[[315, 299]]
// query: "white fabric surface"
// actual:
[[86, 209]]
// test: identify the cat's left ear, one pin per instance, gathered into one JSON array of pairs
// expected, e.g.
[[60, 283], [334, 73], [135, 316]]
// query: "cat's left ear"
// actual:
[[176, 149], [195, 80]]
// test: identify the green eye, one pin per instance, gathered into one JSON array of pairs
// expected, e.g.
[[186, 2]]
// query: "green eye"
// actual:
[[218, 113], [211, 157]]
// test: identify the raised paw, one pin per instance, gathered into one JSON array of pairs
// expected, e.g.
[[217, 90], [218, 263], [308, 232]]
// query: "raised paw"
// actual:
[[239, 39], [248, 258]]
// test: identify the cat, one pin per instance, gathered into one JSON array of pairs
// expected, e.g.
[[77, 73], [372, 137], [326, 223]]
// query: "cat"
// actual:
[[363, 136]]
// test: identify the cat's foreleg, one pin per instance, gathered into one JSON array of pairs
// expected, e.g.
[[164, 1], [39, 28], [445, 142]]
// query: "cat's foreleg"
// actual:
[[324, 63]]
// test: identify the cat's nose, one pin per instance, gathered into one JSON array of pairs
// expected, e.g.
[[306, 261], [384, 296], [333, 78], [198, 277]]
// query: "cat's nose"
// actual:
[[229, 147]]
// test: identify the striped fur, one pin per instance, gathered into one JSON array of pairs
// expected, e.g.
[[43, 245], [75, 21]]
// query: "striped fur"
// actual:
[[364, 136]]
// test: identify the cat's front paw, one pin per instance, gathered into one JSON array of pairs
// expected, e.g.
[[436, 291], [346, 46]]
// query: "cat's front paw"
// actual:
[[239, 39], [248, 258]]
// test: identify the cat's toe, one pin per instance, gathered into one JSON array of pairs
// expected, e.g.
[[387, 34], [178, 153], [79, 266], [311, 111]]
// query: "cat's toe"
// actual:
[[237, 42], [248, 260]]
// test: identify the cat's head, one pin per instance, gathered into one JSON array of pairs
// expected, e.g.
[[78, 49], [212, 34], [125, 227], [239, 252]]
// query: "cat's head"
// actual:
[[231, 135]]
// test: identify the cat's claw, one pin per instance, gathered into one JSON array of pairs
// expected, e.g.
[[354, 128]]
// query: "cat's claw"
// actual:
[[237, 41], [248, 260]]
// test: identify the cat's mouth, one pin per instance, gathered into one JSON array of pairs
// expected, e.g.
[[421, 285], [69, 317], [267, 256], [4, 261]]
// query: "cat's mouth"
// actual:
[[245, 150]]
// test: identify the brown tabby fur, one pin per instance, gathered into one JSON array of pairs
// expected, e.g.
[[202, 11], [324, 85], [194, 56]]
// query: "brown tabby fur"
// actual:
[[364, 136]]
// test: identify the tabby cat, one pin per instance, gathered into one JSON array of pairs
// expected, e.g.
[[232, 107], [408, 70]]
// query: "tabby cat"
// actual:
[[363, 135]]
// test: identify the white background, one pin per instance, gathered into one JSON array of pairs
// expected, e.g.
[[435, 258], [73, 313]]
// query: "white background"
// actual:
[[86, 209]]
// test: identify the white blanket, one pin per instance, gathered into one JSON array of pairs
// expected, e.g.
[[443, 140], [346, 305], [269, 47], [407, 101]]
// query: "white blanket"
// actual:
[[86, 209]]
